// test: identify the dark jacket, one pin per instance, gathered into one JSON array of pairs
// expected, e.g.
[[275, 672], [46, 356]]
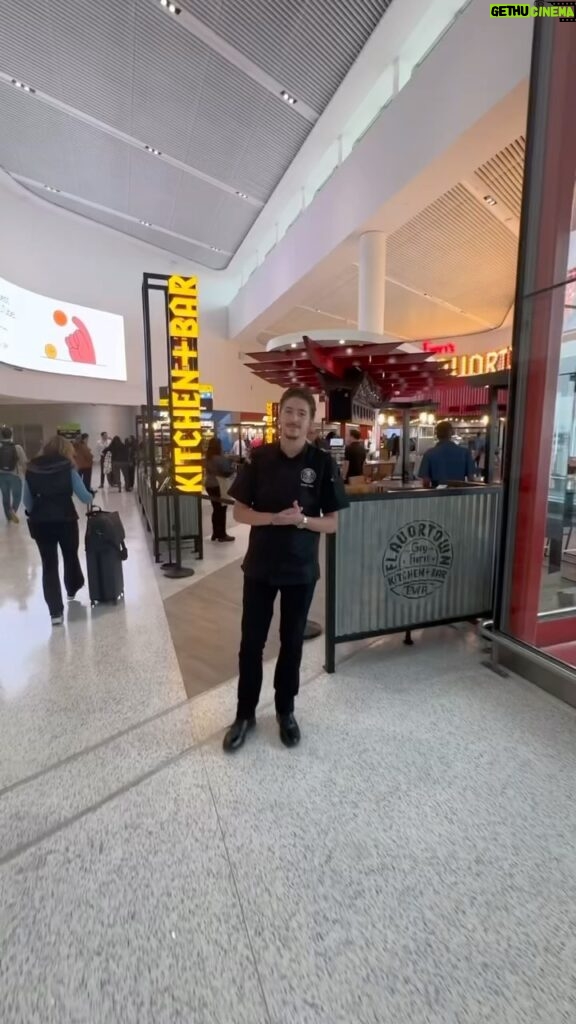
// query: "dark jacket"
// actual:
[[117, 450], [217, 465], [49, 479]]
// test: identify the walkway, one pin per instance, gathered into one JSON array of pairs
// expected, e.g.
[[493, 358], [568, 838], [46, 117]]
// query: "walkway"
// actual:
[[411, 863]]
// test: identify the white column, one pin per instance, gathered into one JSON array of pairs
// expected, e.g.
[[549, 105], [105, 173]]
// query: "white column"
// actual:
[[372, 282]]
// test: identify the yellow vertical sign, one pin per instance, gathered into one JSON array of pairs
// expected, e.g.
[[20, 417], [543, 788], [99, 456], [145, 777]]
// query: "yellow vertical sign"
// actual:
[[270, 432], [186, 423]]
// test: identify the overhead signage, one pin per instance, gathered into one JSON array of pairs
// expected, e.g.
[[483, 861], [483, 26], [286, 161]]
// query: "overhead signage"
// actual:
[[184, 386], [479, 363], [435, 349], [271, 417]]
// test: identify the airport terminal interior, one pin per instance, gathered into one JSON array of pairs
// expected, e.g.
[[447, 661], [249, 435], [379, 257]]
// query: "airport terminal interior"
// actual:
[[287, 286]]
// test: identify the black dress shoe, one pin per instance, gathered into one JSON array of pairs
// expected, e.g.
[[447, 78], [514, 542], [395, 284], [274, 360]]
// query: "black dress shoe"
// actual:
[[226, 539], [234, 738], [289, 730]]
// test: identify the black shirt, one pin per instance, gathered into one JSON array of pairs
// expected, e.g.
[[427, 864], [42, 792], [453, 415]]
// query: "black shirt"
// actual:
[[355, 456], [272, 482]]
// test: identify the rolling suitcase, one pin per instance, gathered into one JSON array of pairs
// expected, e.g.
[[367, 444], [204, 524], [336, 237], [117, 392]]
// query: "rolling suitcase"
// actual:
[[105, 552]]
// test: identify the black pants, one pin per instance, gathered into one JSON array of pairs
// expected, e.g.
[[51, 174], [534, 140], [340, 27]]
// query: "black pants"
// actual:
[[102, 461], [119, 470], [86, 475], [218, 514], [258, 608], [48, 537]]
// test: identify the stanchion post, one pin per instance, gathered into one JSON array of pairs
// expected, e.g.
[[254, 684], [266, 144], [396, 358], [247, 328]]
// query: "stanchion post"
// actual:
[[150, 410], [330, 637]]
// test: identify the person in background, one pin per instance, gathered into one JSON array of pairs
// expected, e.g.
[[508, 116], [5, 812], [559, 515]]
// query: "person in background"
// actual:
[[13, 463], [447, 462], [326, 444], [84, 459], [119, 456], [241, 448], [101, 445], [354, 456], [131, 445], [51, 481], [217, 465], [289, 494]]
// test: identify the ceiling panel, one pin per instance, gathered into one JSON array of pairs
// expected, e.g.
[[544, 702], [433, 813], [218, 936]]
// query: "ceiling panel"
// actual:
[[35, 140], [180, 247], [308, 47], [415, 317], [503, 175], [137, 70], [457, 250], [24, 53]]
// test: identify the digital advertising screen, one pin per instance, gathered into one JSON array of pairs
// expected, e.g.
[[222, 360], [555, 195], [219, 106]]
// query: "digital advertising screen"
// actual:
[[54, 336]]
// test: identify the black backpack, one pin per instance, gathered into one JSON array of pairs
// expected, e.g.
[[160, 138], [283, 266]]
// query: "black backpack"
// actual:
[[8, 457]]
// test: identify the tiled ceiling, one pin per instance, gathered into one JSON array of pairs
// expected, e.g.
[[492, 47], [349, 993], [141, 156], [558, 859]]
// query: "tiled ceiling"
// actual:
[[450, 270], [202, 87]]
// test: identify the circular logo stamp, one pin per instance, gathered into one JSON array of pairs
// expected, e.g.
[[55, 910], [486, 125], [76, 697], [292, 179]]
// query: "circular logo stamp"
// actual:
[[418, 559], [308, 477]]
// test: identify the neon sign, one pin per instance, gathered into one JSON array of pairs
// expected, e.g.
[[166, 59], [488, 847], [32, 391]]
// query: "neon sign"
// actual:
[[184, 385], [271, 417], [485, 362], [439, 350]]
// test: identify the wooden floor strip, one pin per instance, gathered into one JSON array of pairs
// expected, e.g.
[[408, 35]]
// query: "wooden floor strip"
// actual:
[[204, 621]]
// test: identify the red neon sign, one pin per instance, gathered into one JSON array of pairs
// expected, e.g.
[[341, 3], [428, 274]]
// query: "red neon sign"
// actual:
[[439, 350]]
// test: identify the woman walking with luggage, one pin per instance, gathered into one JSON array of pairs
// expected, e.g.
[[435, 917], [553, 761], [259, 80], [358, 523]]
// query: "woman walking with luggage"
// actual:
[[51, 481], [217, 465]]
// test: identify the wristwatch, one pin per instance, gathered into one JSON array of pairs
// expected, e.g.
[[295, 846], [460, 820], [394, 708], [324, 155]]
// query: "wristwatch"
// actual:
[[304, 523]]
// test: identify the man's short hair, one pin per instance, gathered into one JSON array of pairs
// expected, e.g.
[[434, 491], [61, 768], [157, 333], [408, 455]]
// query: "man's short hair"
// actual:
[[304, 394], [6, 433], [355, 434], [444, 430]]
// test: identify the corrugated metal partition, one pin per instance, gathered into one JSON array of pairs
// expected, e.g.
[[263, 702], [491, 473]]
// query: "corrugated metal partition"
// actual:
[[412, 559]]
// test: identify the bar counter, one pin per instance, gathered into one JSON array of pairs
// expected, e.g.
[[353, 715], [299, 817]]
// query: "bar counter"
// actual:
[[407, 557]]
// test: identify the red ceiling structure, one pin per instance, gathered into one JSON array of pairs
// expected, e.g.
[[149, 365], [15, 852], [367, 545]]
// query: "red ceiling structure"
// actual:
[[398, 374]]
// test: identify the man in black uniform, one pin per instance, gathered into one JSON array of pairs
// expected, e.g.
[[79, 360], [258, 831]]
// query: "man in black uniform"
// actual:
[[354, 456], [289, 494]]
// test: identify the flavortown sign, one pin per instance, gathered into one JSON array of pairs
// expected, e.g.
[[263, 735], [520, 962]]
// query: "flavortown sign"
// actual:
[[469, 366]]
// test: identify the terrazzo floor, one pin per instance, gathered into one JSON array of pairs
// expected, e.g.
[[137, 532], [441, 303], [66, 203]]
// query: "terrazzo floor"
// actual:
[[412, 862]]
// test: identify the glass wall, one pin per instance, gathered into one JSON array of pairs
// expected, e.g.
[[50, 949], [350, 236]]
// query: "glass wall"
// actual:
[[536, 599]]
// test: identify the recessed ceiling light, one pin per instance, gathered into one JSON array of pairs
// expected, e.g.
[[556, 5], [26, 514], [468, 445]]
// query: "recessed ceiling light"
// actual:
[[216, 249], [145, 223], [489, 200], [50, 189], [151, 149], [242, 195], [288, 98], [342, 341], [170, 7], [293, 345], [22, 85]]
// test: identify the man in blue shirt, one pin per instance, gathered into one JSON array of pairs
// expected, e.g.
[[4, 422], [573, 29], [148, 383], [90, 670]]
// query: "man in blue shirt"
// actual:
[[447, 462]]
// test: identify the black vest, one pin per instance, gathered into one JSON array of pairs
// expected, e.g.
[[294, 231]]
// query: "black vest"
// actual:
[[49, 480]]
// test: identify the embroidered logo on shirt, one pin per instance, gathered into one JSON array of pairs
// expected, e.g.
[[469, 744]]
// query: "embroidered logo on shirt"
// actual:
[[308, 477]]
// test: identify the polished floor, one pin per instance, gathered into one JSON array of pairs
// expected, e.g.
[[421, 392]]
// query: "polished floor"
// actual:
[[411, 863]]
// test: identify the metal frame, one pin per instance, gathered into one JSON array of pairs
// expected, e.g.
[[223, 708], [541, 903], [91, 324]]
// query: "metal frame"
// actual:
[[541, 274], [332, 638], [159, 283]]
